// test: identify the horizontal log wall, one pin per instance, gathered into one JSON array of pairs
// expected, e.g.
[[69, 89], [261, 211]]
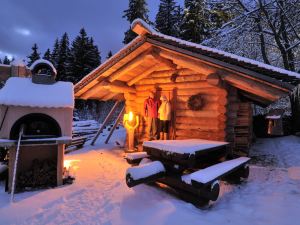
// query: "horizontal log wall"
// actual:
[[207, 123]]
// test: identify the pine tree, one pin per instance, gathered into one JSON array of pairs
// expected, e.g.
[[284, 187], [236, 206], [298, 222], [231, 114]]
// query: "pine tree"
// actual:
[[195, 22], [6, 61], [55, 53], [109, 54], [93, 57], [218, 16], [84, 57], [35, 55], [63, 57], [0, 61], [47, 55], [136, 9], [167, 18]]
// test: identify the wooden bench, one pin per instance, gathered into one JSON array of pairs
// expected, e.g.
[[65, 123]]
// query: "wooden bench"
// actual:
[[77, 142]]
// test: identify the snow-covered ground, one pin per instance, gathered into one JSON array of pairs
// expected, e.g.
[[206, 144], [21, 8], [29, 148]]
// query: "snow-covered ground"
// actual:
[[100, 196]]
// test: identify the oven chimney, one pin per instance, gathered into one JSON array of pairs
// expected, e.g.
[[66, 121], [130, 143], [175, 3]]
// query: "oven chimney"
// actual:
[[43, 72]]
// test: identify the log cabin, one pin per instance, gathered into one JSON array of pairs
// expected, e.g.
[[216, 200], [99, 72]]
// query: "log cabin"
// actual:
[[211, 91]]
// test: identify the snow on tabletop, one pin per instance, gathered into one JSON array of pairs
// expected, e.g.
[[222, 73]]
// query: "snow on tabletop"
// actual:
[[214, 50], [273, 117], [183, 146], [145, 170], [43, 61], [20, 91], [136, 155], [210, 173]]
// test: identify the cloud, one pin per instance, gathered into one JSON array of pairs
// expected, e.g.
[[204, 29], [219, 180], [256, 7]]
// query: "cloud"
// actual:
[[23, 31], [3, 54]]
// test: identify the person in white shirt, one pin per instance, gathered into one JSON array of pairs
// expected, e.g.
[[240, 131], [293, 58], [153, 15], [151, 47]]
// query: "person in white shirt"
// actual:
[[164, 112]]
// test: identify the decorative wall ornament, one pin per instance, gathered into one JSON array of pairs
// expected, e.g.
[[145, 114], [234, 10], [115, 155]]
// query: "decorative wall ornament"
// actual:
[[195, 102]]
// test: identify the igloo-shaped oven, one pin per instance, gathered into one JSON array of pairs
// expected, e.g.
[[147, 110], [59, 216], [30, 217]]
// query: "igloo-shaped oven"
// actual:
[[43, 108]]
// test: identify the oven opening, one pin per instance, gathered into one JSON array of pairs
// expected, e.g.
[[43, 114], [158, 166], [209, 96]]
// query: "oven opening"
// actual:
[[36, 126]]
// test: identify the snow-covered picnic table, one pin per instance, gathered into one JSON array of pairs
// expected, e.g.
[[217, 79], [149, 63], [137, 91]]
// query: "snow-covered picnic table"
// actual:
[[188, 146], [187, 152]]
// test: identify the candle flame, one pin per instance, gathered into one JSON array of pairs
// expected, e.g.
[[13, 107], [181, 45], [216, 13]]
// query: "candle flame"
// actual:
[[130, 116]]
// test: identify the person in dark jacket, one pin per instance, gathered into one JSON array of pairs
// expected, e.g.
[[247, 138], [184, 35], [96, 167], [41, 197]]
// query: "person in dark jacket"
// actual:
[[151, 106]]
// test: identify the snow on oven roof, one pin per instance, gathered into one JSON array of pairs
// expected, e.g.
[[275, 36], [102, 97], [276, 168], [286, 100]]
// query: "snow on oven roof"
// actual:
[[44, 61], [20, 91], [189, 146]]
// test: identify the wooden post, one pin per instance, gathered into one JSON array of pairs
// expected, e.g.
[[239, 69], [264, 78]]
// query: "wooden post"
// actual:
[[105, 122], [130, 139], [60, 163], [115, 125]]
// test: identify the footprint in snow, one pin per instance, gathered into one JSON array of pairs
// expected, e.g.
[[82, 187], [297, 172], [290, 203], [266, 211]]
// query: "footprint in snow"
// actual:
[[60, 200], [74, 194]]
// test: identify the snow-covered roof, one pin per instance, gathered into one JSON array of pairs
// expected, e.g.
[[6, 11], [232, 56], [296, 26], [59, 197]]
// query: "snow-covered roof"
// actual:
[[20, 91], [4, 65], [271, 74], [18, 62], [151, 31]]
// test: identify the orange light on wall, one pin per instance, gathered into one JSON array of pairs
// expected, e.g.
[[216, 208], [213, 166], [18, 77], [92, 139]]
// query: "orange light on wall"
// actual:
[[130, 122]]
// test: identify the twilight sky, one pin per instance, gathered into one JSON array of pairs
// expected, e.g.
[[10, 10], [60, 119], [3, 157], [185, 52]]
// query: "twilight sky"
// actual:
[[24, 22]]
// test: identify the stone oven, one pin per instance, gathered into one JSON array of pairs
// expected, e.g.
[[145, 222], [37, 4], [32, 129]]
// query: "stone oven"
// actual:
[[43, 109]]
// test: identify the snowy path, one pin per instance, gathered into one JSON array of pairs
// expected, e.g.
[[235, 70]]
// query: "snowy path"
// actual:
[[100, 195]]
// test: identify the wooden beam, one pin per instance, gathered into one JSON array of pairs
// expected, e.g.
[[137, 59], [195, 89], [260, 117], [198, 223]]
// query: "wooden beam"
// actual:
[[182, 85], [117, 87], [143, 75], [131, 65], [115, 125], [160, 61], [188, 62], [109, 96], [167, 73], [172, 79], [95, 90], [214, 79], [251, 86], [168, 62], [110, 114]]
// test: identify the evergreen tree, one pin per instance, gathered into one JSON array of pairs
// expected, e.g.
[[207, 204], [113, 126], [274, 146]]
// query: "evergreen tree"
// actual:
[[136, 9], [93, 56], [168, 17], [218, 15], [63, 57], [35, 55], [84, 57], [55, 53], [195, 24], [0, 61], [109, 55], [47, 55], [6, 61]]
